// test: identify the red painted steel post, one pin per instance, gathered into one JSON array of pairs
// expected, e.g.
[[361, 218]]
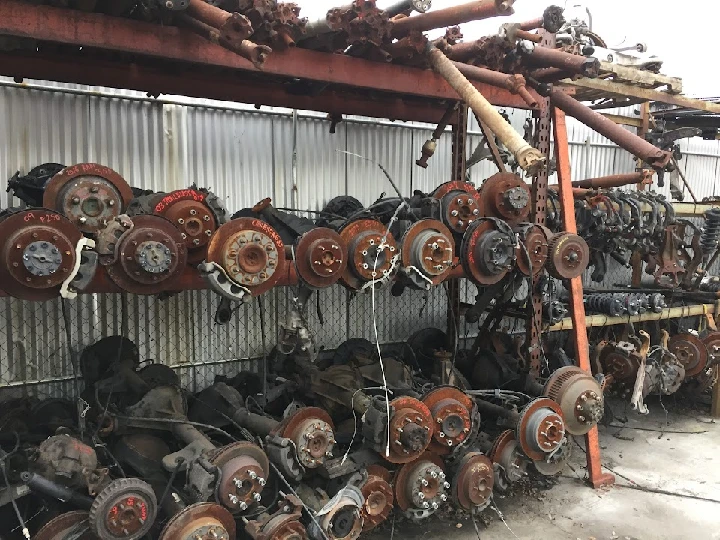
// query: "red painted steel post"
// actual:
[[577, 307]]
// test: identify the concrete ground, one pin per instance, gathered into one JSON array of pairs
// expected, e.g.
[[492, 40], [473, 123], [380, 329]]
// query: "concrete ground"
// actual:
[[682, 460]]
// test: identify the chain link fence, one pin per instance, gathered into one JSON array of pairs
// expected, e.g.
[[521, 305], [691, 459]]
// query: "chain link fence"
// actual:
[[40, 343]]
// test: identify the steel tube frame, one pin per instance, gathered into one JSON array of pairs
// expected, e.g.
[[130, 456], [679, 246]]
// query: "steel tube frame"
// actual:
[[515, 84], [98, 31], [577, 307], [606, 127], [452, 16], [555, 58]]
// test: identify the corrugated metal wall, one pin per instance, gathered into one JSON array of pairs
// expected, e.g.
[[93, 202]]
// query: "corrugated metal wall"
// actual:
[[243, 155]]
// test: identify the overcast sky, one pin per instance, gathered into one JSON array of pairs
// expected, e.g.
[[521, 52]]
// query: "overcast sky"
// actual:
[[683, 34]]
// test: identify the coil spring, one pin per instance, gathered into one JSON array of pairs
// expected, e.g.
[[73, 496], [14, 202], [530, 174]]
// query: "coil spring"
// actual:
[[604, 303], [711, 286], [618, 304], [711, 233]]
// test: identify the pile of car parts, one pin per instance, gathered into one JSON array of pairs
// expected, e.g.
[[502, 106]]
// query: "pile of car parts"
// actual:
[[337, 463]]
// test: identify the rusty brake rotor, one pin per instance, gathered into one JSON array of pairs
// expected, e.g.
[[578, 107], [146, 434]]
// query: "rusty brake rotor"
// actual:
[[451, 410], [712, 342], [284, 524], [88, 194], [366, 261], [125, 509], [378, 493], [186, 209], [150, 256], [458, 205], [506, 453], [532, 253], [568, 256], [411, 430], [70, 523], [473, 481], [38, 253], [251, 253], [321, 257], [580, 398], [428, 246], [541, 428], [487, 252], [201, 521], [311, 430], [421, 485], [244, 469], [621, 361], [505, 196], [691, 351]]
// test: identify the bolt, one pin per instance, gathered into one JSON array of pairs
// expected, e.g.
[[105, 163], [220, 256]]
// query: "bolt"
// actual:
[[233, 499], [460, 223], [424, 482], [426, 504], [196, 242], [94, 189], [193, 212], [460, 201], [476, 212], [443, 497], [181, 221], [208, 233], [454, 213], [471, 201], [421, 495], [442, 475], [111, 203], [581, 418], [442, 434], [433, 474], [435, 506], [82, 219], [257, 497], [446, 485], [253, 475], [262, 481], [76, 200], [184, 236], [238, 483], [243, 505]]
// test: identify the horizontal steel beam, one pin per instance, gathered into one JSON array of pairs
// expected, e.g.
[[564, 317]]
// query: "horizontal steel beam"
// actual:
[[613, 88], [170, 43], [186, 81]]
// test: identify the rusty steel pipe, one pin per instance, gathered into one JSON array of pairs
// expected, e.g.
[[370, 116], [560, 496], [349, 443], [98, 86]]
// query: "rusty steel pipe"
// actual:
[[551, 74], [233, 27], [247, 49], [452, 16], [606, 127], [574, 63], [529, 158], [552, 20], [462, 52], [533, 24], [615, 180], [406, 6], [513, 83]]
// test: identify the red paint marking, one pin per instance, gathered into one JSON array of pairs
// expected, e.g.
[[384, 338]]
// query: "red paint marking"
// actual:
[[267, 229], [181, 194]]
